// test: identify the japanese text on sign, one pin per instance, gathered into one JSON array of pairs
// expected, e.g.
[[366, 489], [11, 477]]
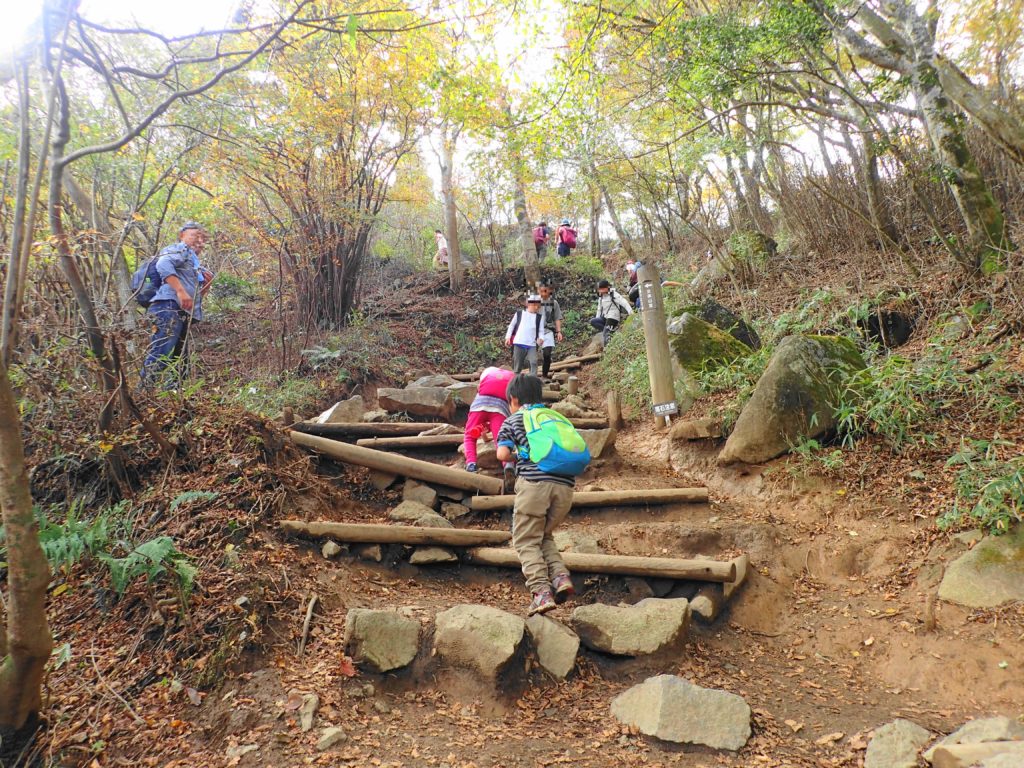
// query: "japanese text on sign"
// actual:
[[666, 409]]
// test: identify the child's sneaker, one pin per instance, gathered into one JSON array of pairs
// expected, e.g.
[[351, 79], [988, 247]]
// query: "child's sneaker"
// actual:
[[542, 602], [564, 588], [471, 466]]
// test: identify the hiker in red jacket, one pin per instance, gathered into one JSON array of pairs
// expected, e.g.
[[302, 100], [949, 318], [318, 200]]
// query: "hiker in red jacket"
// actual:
[[541, 235], [566, 238]]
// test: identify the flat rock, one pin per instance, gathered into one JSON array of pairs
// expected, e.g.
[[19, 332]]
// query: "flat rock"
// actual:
[[433, 520], [479, 637], [381, 640], [650, 626], [349, 411], [464, 392], [433, 556], [673, 709], [330, 737], [453, 511], [696, 429], [410, 511], [598, 440], [979, 732], [431, 402], [413, 490], [433, 380], [556, 644], [575, 407], [896, 745], [989, 575], [382, 480], [639, 589]]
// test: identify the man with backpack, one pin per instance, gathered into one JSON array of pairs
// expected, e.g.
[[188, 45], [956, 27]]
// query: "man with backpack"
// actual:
[[177, 301], [611, 309], [541, 233], [525, 334], [566, 237], [549, 453]]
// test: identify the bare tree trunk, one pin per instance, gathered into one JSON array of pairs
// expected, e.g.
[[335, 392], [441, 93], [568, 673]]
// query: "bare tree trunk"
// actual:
[[19, 228], [595, 221], [878, 207], [531, 269], [613, 214], [27, 637], [451, 222]]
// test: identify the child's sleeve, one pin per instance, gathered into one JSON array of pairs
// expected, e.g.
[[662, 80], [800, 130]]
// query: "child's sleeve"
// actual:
[[506, 436]]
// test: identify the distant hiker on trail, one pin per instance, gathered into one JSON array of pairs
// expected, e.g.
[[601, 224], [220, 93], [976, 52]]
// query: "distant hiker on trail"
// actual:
[[177, 302], [441, 257], [549, 453], [633, 267], [566, 237], [541, 234], [552, 323], [525, 334], [611, 308], [488, 411]]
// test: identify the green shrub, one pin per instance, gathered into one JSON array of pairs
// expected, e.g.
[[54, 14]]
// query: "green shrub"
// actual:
[[990, 489]]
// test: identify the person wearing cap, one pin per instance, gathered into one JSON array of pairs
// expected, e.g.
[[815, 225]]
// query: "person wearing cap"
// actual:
[[525, 334], [552, 323], [178, 301], [566, 237]]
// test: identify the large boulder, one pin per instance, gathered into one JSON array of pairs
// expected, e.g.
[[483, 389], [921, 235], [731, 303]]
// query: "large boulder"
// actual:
[[345, 412], [556, 644], [697, 344], [650, 626], [598, 440], [380, 640], [896, 745], [464, 392], [479, 637], [433, 380], [673, 709], [433, 402], [795, 397], [989, 575], [710, 311]]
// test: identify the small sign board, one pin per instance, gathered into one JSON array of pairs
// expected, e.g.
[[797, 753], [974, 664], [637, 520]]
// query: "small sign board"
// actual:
[[666, 409], [647, 296]]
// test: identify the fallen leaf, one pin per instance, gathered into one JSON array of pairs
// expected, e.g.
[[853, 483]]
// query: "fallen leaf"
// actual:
[[347, 667], [830, 738], [794, 725]]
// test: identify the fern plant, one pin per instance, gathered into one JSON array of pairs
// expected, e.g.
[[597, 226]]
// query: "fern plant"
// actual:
[[152, 559]]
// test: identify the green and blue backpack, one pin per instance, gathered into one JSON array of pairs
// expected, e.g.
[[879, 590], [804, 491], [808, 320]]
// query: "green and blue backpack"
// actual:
[[555, 445]]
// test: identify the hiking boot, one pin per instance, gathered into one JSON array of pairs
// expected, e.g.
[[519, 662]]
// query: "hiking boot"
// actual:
[[564, 589], [542, 602], [471, 466]]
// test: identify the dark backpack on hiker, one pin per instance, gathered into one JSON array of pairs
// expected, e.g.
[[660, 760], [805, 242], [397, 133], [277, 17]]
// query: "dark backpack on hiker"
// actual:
[[569, 236], [539, 235], [146, 281], [519, 319]]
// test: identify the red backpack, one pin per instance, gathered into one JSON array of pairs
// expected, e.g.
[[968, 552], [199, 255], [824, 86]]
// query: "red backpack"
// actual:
[[568, 235], [538, 235]]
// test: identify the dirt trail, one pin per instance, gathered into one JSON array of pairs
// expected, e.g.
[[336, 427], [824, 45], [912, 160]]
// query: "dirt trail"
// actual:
[[828, 639]]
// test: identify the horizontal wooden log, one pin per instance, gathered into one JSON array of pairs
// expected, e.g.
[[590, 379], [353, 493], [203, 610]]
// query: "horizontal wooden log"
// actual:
[[365, 429], [552, 395], [574, 362], [466, 376], [963, 755], [363, 533], [585, 423], [420, 441], [619, 565], [652, 497], [399, 465]]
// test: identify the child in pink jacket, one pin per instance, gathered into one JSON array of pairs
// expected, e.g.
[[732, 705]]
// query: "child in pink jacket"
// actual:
[[488, 411]]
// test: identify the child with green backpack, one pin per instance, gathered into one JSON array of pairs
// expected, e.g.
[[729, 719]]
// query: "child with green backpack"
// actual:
[[549, 454]]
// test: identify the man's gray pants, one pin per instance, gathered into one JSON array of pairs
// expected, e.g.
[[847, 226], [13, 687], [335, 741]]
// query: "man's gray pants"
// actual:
[[523, 355]]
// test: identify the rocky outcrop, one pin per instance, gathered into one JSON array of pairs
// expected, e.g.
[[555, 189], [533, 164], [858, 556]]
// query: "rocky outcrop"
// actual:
[[381, 640], [698, 345], [650, 626], [989, 575], [479, 637], [795, 397], [673, 709], [431, 402], [710, 311]]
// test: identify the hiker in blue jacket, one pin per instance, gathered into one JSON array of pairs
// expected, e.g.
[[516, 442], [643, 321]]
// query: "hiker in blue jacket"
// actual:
[[178, 302]]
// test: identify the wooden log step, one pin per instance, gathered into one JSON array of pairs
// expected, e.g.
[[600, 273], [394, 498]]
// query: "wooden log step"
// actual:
[[399, 465], [652, 497], [619, 565], [420, 441], [364, 533], [365, 429], [574, 362]]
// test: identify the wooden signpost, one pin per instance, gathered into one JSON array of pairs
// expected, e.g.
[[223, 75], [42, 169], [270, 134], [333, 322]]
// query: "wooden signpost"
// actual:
[[659, 356]]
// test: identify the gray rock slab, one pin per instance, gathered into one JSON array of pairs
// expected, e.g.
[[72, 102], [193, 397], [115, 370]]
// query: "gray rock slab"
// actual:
[[432, 402], [410, 512], [414, 490], [896, 745], [479, 637], [556, 644], [464, 392], [599, 441], [979, 731], [381, 640], [433, 556], [650, 626], [453, 511], [989, 575], [349, 411], [330, 737], [376, 416], [433, 520], [673, 709]]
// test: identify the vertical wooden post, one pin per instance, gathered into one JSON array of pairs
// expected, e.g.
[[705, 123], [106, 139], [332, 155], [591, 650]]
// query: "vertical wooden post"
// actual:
[[659, 359], [574, 385], [615, 420], [287, 416]]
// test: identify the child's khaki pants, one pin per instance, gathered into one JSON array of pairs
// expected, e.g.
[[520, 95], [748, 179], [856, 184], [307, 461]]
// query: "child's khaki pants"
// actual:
[[540, 508]]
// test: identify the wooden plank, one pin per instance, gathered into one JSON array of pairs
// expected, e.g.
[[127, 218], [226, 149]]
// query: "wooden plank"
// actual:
[[619, 565], [421, 441], [364, 533], [574, 362], [963, 755], [652, 497], [365, 429], [400, 465]]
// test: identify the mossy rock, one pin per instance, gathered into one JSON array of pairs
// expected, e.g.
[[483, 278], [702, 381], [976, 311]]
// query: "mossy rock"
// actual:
[[795, 397], [698, 345], [710, 311]]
